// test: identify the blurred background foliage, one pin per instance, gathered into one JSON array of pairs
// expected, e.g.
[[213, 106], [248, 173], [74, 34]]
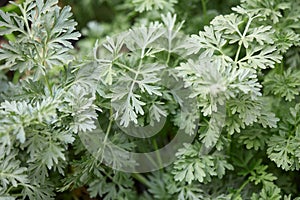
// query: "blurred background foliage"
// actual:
[[197, 12], [99, 18]]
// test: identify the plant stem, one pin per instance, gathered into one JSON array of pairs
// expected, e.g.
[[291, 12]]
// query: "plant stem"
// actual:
[[229, 145], [243, 37], [16, 77], [124, 66], [157, 153], [204, 9], [168, 58], [101, 149], [281, 67], [169, 46], [241, 188], [110, 123], [141, 179], [238, 53], [48, 85], [23, 11], [109, 127]]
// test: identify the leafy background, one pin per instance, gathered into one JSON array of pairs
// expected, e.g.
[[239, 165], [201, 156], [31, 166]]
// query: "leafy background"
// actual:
[[56, 79]]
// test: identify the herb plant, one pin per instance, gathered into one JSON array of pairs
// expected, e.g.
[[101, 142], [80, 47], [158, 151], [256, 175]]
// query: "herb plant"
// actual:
[[229, 79]]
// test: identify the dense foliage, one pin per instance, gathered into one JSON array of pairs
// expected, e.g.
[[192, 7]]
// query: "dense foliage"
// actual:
[[131, 67]]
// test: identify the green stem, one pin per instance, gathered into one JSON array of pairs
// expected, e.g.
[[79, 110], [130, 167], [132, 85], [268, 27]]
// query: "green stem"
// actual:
[[17, 195], [16, 77], [23, 11], [229, 145], [43, 60], [168, 58], [48, 85], [241, 188], [243, 36], [110, 124], [141, 179], [169, 46], [124, 66], [101, 150], [204, 9], [136, 75], [157, 153], [281, 67], [238, 53], [9, 189]]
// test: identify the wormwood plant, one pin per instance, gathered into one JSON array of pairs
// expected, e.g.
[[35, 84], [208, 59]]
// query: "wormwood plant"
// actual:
[[239, 74]]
